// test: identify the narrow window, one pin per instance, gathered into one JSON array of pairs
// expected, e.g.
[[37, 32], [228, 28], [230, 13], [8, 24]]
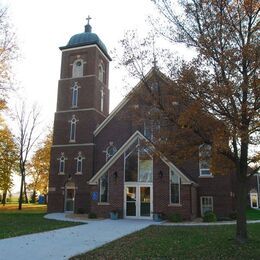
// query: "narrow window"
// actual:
[[73, 124], [102, 94], [62, 164], [101, 72], [175, 188], [77, 69], [206, 203], [103, 185], [75, 92], [204, 160], [79, 159]]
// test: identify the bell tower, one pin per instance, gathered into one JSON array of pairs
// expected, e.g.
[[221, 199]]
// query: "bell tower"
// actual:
[[82, 104]]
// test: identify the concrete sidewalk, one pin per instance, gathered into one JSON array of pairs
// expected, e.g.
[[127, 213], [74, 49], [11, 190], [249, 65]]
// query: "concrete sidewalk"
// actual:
[[64, 243]]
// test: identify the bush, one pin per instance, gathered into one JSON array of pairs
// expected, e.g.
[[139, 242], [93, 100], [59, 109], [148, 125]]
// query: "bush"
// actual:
[[80, 211], [92, 215], [209, 216], [175, 217], [233, 215]]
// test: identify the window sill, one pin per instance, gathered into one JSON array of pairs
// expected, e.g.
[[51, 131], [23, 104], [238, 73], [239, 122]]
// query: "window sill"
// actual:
[[61, 173], [78, 173], [206, 176], [174, 205], [103, 203], [72, 141], [73, 107]]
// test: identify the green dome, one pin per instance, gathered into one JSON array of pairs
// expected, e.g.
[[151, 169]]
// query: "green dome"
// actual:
[[86, 38]]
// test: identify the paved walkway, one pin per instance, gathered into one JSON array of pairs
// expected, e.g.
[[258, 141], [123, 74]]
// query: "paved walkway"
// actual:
[[64, 243]]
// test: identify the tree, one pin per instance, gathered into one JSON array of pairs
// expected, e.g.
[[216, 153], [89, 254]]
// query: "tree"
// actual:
[[8, 53], [27, 124], [8, 159], [219, 85], [39, 168]]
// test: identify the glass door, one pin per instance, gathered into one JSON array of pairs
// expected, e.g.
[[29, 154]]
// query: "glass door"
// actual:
[[138, 201], [69, 199], [130, 210]]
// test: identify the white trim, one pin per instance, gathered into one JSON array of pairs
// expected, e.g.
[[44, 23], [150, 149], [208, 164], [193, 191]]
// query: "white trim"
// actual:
[[85, 76], [65, 145], [129, 142], [99, 185], [251, 201], [79, 110], [85, 47], [201, 197]]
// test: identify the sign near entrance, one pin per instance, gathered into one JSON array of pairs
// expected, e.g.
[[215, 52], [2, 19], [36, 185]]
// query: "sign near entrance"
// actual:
[[94, 196]]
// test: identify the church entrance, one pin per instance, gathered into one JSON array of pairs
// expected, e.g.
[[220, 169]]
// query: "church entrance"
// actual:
[[138, 201], [69, 197]]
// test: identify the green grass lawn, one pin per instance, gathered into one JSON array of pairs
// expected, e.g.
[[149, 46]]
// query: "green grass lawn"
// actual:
[[253, 214], [30, 220], [168, 242]]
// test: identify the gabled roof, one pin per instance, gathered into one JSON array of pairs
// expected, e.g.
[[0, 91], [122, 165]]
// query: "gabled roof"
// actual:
[[124, 147], [127, 98]]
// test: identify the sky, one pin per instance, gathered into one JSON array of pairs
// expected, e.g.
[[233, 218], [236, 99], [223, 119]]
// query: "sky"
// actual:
[[42, 27]]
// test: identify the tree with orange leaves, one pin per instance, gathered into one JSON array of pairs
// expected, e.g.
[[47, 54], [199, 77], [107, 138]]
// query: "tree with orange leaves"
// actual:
[[215, 97]]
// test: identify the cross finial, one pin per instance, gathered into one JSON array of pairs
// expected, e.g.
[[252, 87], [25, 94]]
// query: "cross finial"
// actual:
[[88, 18]]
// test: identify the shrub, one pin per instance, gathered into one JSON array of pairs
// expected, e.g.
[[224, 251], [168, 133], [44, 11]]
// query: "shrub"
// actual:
[[175, 217], [92, 215], [233, 215], [209, 216], [80, 211]]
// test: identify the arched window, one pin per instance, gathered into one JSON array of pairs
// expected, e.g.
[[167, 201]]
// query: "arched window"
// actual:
[[204, 159], [77, 69], [75, 92], [110, 151], [62, 163], [79, 165], [73, 124], [152, 124], [101, 72]]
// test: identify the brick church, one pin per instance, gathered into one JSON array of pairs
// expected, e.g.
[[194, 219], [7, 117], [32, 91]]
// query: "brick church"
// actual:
[[99, 162]]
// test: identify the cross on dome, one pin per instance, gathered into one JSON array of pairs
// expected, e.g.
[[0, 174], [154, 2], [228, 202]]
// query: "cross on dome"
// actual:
[[88, 18]]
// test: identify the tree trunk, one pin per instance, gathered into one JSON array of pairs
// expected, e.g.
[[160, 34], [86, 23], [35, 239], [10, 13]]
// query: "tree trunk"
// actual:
[[4, 198], [34, 196], [241, 229], [25, 191], [21, 193]]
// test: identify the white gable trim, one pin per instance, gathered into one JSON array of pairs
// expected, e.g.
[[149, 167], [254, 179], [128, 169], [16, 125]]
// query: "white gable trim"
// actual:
[[120, 106], [129, 142]]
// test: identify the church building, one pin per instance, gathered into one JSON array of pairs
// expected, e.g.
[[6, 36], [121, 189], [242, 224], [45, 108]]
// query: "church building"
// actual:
[[100, 161]]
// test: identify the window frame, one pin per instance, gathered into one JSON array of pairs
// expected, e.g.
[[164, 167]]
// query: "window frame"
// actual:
[[62, 160], [100, 182], [73, 123], [81, 161], [201, 205], [138, 164], [201, 169], [75, 88], [170, 187], [75, 73]]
